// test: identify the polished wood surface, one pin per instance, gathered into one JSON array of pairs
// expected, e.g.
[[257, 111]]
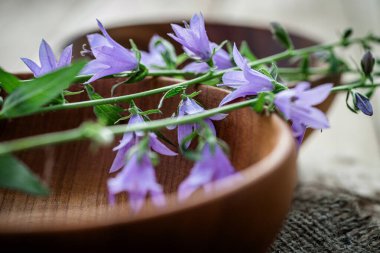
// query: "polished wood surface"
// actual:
[[242, 213]]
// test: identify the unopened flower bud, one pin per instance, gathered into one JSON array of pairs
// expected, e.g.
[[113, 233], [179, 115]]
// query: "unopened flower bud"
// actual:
[[363, 104], [367, 63]]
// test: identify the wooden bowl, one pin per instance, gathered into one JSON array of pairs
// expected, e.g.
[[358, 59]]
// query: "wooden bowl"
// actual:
[[239, 215]]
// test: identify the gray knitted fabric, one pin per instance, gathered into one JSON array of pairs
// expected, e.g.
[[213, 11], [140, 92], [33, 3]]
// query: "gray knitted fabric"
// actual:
[[323, 220]]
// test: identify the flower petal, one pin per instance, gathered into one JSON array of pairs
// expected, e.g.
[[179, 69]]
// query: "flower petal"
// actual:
[[159, 147], [196, 67], [243, 91], [47, 59], [233, 79], [316, 95], [32, 66], [66, 56]]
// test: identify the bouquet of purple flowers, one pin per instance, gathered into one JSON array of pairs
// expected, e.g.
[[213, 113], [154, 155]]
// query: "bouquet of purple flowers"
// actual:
[[256, 83]]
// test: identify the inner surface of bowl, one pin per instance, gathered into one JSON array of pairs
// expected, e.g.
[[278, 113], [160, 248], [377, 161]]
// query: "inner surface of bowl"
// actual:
[[77, 172]]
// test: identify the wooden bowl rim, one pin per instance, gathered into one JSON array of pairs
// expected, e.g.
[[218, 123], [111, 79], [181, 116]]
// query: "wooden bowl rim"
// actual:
[[283, 148]]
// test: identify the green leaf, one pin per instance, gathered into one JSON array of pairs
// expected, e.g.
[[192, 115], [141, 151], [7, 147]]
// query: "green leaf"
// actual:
[[181, 59], [38, 92], [170, 93], [8, 81], [15, 175], [107, 114], [246, 51], [281, 35], [135, 50]]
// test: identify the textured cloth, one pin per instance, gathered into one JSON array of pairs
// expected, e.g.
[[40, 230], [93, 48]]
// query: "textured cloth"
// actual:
[[325, 220]]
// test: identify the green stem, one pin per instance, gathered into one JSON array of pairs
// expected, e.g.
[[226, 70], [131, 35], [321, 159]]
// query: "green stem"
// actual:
[[348, 87], [79, 133], [202, 78]]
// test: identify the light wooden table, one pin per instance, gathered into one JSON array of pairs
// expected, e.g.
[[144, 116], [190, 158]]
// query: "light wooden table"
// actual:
[[347, 155]]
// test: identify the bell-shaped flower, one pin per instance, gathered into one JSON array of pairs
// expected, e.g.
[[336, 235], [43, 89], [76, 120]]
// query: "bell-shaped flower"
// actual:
[[247, 82], [153, 59], [131, 138], [221, 60], [213, 165], [297, 105], [193, 38], [138, 179], [110, 57], [189, 106], [48, 61]]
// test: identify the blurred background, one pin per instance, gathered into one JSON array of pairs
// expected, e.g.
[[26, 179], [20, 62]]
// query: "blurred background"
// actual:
[[346, 156]]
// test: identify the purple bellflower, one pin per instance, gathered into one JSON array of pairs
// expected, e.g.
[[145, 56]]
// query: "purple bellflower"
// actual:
[[153, 59], [221, 61], [48, 61], [193, 38], [247, 82], [297, 105], [110, 56], [189, 106], [138, 178], [131, 138], [212, 166]]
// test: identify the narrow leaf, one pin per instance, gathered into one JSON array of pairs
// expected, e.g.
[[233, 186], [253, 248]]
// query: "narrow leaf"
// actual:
[[246, 51], [107, 114], [8, 81], [15, 175], [38, 92], [281, 35]]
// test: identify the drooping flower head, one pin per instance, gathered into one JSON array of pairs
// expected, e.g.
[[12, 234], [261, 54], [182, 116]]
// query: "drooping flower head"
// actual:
[[213, 165], [110, 56], [297, 105], [221, 60], [193, 38], [138, 178], [158, 49], [131, 138], [48, 60], [189, 106], [247, 82]]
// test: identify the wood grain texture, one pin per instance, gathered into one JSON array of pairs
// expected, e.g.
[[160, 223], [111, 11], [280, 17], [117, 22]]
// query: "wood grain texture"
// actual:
[[243, 213]]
